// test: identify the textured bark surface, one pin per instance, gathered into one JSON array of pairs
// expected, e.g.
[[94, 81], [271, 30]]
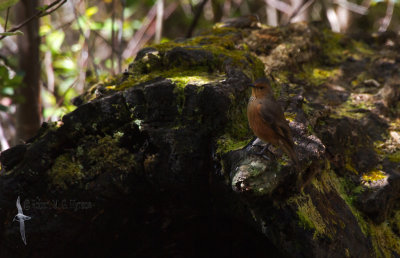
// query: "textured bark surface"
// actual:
[[28, 110], [157, 162]]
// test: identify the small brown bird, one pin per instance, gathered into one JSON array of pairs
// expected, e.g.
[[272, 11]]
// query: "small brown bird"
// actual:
[[266, 118]]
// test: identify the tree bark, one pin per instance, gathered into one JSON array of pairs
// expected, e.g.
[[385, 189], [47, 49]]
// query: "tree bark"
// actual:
[[28, 115]]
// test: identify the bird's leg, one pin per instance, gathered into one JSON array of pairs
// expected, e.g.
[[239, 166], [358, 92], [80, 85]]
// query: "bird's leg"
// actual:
[[262, 152], [250, 144], [264, 149]]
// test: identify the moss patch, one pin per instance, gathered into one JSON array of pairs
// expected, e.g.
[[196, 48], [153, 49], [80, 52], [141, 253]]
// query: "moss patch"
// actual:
[[317, 75], [65, 171], [309, 216], [384, 240], [394, 157], [96, 155], [374, 175], [238, 132]]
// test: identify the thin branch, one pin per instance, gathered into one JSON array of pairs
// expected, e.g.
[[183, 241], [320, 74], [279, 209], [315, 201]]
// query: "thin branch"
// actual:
[[112, 36], [40, 13], [355, 8], [196, 18], [333, 19], [142, 36], [96, 72], [300, 9], [272, 14], [55, 8], [281, 6], [97, 34], [159, 20], [388, 17], [120, 34], [3, 140], [133, 43], [5, 25], [61, 99]]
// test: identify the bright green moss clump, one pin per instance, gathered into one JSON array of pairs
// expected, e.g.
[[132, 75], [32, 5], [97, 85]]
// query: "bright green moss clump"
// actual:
[[197, 60]]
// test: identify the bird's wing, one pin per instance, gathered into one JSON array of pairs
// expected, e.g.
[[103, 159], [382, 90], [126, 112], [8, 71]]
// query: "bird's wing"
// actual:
[[19, 206], [272, 114], [22, 230]]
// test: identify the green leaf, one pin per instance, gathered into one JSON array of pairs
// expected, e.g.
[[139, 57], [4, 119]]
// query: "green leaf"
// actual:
[[91, 11], [4, 4], [64, 63], [55, 39], [18, 32], [44, 29]]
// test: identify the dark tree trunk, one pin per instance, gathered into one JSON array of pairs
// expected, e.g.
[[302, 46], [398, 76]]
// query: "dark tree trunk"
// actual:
[[29, 110]]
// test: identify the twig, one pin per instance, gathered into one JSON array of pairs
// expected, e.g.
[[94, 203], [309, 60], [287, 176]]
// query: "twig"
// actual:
[[5, 25], [40, 13], [355, 8], [55, 8], [272, 14], [300, 10], [196, 18], [159, 20], [3, 140], [87, 40], [112, 36], [388, 17], [146, 34], [106, 41], [120, 32], [333, 19], [61, 100], [281, 6], [133, 43]]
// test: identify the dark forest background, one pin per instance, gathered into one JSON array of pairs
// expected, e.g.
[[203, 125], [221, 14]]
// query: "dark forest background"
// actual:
[[52, 51]]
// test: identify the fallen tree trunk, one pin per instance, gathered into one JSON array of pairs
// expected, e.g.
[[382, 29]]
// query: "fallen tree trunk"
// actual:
[[156, 162]]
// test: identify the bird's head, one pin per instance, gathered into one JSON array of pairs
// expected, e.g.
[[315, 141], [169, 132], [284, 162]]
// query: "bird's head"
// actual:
[[261, 88]]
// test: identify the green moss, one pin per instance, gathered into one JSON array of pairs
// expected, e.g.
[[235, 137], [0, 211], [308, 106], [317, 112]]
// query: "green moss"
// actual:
[[96, 155], [309, 217], [65, 171], [360, 49], [237, 133], [181, 77], [394, 157], [317, 184], [349, 167], [221, 48], [331, 47], [227, 143], [107, 155], [384, 240], [342, 186], [374, 175], [353, 108], [361, 77], [316, 75]]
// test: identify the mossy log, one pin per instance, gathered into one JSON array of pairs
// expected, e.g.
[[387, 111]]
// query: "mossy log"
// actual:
[[159, 161]]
